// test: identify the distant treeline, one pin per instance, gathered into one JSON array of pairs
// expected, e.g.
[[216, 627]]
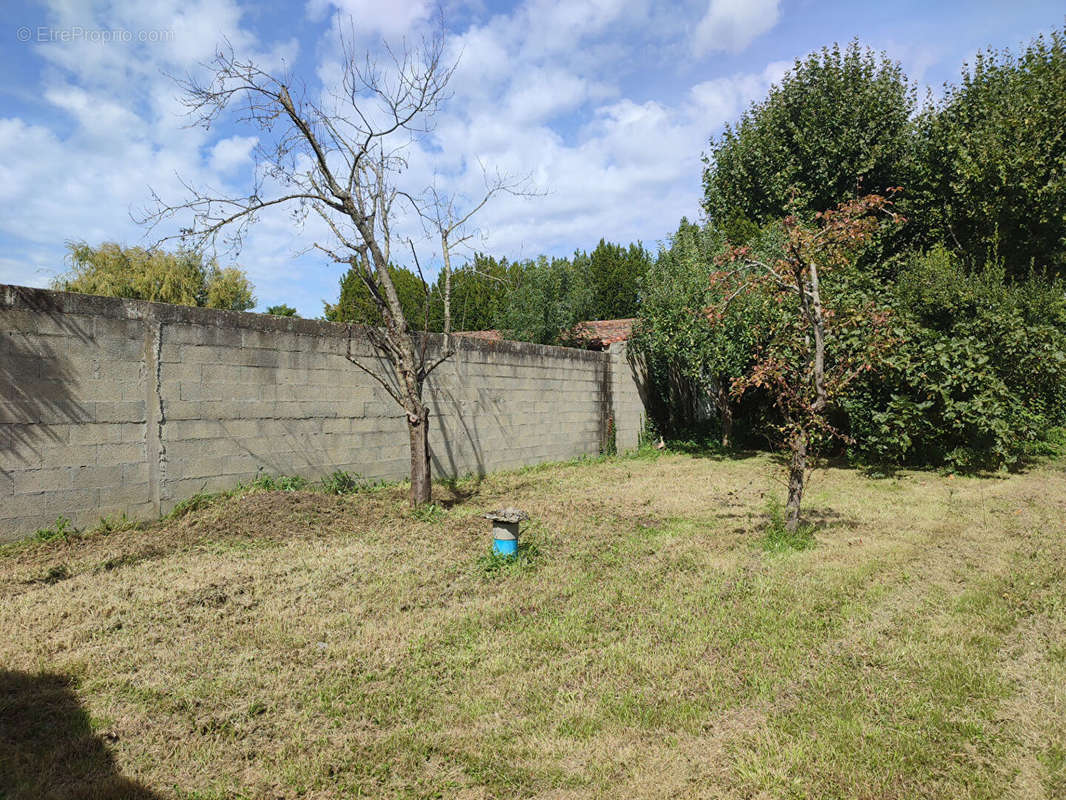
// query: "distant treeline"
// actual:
[[535, 300]]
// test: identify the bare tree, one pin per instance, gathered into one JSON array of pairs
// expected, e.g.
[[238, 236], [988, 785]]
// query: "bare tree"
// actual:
[[339, 158], [446, 218]]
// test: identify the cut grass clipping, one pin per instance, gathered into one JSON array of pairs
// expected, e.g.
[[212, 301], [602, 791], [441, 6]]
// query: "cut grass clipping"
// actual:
[[655, 638]]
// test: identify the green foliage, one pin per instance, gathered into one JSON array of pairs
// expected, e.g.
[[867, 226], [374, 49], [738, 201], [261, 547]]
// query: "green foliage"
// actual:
[[978, 374], [195, 503], [836, 126], [550, 298], [356, 305], [481, 291], [282, 311], [112, 524], [280, 483], [995, 159], [428, 512], [776, 536], [61, 529], [340, 482], [536, 300], [610, 439], [183, 278], [613, 275], [689, 359]]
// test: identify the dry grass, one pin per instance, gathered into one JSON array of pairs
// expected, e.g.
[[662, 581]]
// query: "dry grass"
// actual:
[[299, 645]]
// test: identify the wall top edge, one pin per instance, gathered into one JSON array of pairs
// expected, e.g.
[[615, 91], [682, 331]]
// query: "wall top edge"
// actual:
[[47, 301]]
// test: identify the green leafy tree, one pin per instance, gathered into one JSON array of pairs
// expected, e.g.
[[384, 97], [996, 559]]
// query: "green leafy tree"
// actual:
[[480, 294], [282, 311], [977, 377], [997, 159], [837, 126], [356, 305], [690, 360], [183, 278], [613, 274], [550, 298]]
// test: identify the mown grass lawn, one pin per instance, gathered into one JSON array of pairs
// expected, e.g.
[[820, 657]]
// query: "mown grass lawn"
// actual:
[[291, 644]]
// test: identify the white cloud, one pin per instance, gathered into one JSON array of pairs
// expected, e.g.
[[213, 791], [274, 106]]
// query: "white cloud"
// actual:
[[387, 18], [731, 25], [726, 98], [231, 153]]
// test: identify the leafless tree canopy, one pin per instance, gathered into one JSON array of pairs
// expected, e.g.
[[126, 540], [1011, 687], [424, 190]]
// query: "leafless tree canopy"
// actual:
[[339, 158]]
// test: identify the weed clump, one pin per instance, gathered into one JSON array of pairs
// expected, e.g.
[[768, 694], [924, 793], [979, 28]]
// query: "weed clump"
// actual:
[[493, 564], [428, 512], [776, 536], [63, 529], [340, 482]]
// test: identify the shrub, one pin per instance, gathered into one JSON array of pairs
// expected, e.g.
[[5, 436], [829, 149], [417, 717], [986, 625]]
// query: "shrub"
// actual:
[[978, 375]]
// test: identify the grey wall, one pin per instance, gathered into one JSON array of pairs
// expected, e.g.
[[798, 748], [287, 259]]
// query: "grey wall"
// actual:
[[112, 406]]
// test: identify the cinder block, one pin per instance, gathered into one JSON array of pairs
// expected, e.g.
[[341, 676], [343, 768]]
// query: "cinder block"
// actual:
[[180, 429], [98, 477], [123, 453], [136, 474], [201, 466], [179, 372], [46, 479], [133, 411], [70, 455]]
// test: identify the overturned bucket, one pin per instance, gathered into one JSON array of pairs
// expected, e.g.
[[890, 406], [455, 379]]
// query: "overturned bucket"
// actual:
[[505, 530]]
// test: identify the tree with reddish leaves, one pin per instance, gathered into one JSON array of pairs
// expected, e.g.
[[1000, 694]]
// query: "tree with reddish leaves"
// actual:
[[826, 340]]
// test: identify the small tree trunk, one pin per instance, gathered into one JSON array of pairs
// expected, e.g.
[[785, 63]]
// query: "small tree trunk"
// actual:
[[421, 484], [725, 414], [797, 474]]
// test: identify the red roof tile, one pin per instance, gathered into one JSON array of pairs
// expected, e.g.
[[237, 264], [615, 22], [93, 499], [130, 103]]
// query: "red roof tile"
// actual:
[[593, 334], [492, 336], [600, 333]]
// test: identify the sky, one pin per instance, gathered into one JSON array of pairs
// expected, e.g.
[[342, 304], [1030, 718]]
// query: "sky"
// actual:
[[606, 105]]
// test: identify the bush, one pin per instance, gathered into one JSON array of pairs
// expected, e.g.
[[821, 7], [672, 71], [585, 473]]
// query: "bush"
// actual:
[[978, 375]]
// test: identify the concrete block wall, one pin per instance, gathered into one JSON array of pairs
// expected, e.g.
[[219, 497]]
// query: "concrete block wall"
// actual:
[[112, 406], [627, 405]]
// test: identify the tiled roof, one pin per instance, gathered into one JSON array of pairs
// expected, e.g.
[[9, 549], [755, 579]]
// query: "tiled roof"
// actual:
[[593, 334], [600, 333], [492, 336]]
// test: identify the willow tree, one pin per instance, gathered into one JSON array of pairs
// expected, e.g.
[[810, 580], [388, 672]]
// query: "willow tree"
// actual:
[[339, 157]]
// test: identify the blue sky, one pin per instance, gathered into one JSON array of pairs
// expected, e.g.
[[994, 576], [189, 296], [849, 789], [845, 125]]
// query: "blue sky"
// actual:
[[608, 104]]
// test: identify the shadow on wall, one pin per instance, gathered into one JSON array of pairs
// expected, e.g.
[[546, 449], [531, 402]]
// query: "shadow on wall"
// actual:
[[35, 386], [450, 464], [47, 747], [672, 400]]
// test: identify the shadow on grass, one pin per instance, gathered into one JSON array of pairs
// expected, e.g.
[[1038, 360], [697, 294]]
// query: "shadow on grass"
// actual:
[[460, 491], [711, 449], [48, 748]]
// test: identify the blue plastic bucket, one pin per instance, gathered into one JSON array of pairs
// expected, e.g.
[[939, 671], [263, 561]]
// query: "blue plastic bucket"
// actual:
[[505, 547]]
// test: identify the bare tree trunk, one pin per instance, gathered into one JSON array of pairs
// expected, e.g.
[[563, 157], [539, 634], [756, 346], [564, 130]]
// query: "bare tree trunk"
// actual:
[[445, 249], [797, 475], [421, 479], [725, 412]]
